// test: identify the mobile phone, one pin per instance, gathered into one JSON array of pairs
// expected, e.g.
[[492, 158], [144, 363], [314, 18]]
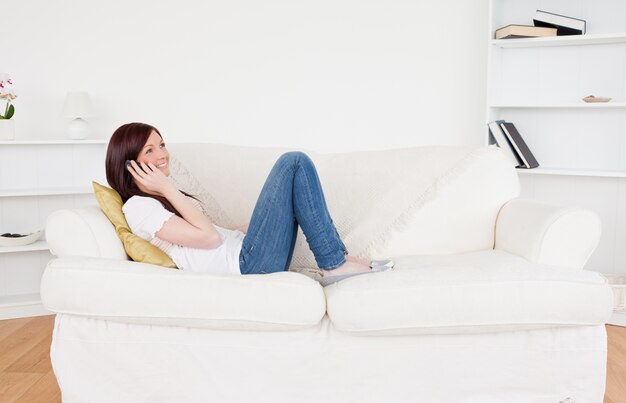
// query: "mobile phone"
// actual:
[[127, 164]]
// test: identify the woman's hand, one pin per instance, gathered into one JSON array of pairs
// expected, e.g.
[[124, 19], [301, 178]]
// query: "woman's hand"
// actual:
[[242, 228], [149, 178], [192, 228]]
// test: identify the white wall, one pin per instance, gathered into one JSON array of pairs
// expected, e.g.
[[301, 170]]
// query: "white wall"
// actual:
[[329, 75]]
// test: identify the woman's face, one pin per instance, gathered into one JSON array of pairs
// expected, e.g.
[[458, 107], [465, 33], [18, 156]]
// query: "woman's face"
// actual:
[[154, 151]]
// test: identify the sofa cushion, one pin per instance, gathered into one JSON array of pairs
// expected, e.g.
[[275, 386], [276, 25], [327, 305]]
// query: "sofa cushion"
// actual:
[[131, 292], [138, 249], [462, 217], [447, 201], [473, 292]]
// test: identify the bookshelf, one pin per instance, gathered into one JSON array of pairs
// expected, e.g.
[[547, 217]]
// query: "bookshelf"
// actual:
[[38, 177], [51, 142], [574, 40], [582, 105], [35, 246], [45, 191], [573, 172], [538, 84]]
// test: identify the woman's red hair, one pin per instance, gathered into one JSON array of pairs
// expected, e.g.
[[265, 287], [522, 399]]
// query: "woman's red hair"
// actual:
[[125, 144]]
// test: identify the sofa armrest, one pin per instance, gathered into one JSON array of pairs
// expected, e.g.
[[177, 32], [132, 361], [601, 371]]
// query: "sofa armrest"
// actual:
[[83, 232], [547, 234], [131, 292]]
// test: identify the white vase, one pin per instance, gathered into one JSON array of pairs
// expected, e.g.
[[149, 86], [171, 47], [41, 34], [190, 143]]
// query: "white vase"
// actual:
[[78, 129], [7, 129]]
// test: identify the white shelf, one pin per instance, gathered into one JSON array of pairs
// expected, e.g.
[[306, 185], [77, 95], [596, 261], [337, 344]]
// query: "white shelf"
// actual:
[[580, 105], [33, 193], [45, 192], [51, 142], [35, 246], [572, 172], [570, 40]]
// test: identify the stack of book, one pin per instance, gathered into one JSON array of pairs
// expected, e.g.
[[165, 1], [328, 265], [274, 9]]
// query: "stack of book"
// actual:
[[564, 25], [524, 31], [545, 24], [505, 135]]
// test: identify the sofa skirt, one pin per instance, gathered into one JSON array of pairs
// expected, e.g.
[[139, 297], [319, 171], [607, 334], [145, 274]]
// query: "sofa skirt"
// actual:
[[98, 360]]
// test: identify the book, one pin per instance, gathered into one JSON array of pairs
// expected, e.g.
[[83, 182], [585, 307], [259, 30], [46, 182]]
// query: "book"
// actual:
[[564, 25], [524, 31], [497, 135], [518, 143]]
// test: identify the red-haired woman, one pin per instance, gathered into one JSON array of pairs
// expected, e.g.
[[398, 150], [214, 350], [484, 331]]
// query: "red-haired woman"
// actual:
[[137, 167]]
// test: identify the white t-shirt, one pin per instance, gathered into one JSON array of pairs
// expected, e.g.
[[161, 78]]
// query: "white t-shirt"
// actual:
[[146, 216]]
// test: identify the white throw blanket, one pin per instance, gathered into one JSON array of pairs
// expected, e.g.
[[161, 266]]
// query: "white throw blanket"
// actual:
[[370, 195]]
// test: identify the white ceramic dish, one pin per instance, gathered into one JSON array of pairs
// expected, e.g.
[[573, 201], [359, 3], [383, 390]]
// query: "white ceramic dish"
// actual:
[[21, 241], [592, 98]]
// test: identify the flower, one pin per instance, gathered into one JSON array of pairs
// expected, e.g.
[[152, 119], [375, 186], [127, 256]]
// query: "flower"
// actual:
[[7, 95]]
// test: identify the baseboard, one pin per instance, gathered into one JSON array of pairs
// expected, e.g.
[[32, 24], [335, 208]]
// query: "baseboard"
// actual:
[[618, 319], [22, 307]]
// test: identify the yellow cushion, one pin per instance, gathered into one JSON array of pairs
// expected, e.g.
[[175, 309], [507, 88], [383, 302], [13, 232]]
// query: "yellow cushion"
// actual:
[[137, 248]]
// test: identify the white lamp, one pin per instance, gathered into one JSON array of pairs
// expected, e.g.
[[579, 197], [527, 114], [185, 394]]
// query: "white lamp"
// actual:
[[77, 107]]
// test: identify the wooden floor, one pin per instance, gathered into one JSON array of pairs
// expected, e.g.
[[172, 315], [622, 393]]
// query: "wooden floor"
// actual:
[[26, 374], [25, 371], [616, 366]]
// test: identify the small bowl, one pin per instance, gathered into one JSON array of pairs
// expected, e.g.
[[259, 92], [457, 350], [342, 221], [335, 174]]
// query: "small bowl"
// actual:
[[21, 241], [592, 98]]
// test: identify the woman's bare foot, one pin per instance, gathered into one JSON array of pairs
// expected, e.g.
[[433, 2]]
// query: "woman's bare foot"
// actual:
[[364, 262], [349, 267]]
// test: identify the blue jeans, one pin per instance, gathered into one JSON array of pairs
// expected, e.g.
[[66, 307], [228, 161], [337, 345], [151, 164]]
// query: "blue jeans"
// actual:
[[292, 196]]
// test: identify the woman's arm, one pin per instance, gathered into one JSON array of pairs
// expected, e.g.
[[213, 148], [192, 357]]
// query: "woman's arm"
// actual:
[[194, 229]]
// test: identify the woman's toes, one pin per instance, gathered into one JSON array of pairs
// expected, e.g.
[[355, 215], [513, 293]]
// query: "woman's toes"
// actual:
[[348, 267]]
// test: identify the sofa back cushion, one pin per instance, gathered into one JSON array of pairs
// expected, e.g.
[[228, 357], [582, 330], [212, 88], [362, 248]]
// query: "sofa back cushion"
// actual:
[[463, 216], [420, 200]]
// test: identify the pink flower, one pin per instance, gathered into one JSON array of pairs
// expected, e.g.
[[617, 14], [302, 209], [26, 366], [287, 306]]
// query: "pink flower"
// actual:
[[7, 96]]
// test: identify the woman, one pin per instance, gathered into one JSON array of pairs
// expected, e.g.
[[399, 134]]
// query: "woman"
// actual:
[[137, 167]]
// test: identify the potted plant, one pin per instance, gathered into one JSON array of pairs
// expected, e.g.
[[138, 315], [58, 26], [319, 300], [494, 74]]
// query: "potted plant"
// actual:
[[7, 110]]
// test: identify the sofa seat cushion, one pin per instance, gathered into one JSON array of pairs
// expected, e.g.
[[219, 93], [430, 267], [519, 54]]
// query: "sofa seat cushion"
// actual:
[[132, 292], [473, 292]]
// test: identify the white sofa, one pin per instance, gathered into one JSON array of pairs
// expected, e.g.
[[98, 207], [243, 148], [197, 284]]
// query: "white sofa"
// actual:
[[488, 301]]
